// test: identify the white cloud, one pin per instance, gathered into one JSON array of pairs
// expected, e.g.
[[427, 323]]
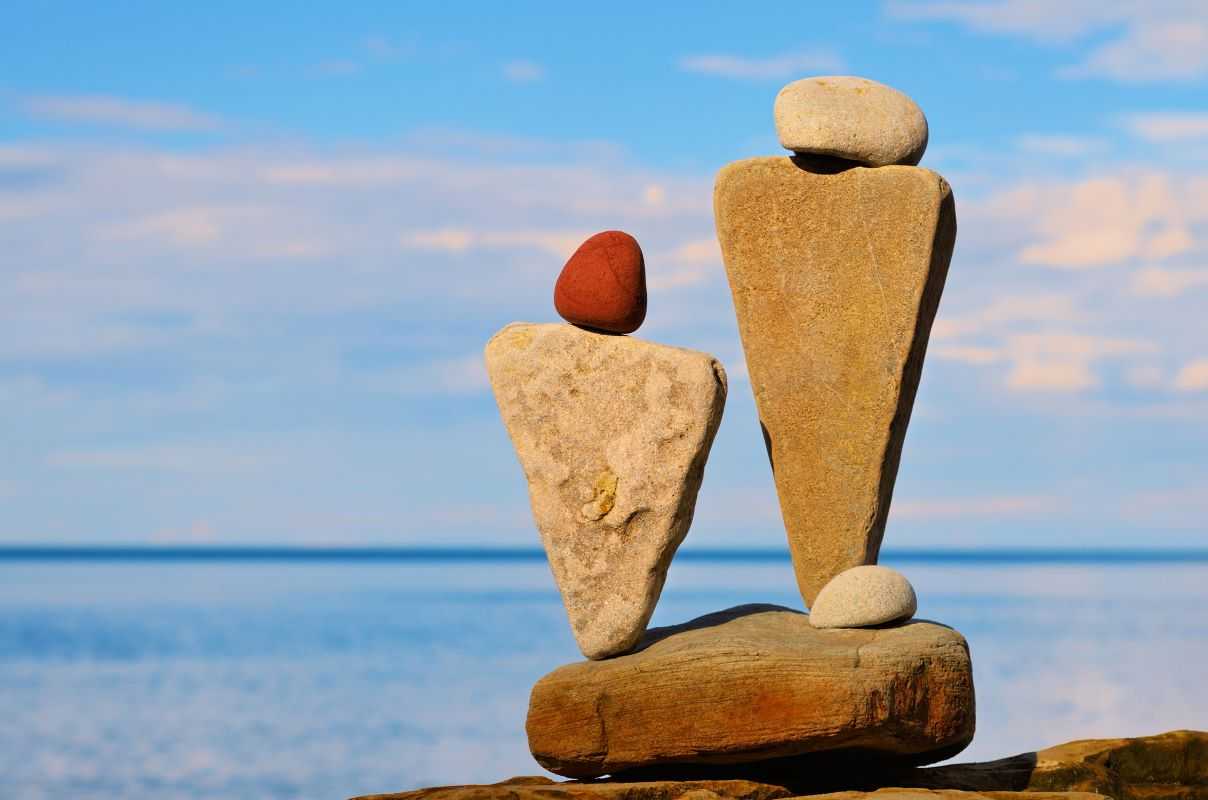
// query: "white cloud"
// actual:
[[198, 531], [1068, 375], [175, 457], [654, 195], [1061, 362], [1193, 377], [968, 354], [1168, 126], [1101, 221], [1145, 376], [1006, 312], [1007, 506], [1151, 51], [523, 71], [343, 172], [450, 376], [1137, 42], [457, 240], [121, 112], [1060, 146], [1162, 282], [788, 65], [185, 227]]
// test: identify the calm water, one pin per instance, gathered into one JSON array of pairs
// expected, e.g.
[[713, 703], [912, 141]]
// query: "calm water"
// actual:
[[324, 680]]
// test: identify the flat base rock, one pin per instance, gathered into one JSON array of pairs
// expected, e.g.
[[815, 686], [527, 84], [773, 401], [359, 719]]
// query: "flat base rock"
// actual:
[[539, 788], [542, 788], [1170, 766], [756, 683]]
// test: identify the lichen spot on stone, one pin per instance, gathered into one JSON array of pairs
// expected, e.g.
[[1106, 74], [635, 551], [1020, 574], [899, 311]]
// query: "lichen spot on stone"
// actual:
[[519, 338], [603, 496]]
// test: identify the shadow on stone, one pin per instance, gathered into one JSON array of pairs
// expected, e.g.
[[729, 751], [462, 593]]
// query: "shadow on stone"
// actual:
[[823, 165], [814, 773], [656, 635], [767, 444]]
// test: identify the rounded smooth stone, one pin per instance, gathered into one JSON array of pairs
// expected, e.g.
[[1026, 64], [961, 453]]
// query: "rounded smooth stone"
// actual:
[[861, 597], [603, 285], [851, 118]]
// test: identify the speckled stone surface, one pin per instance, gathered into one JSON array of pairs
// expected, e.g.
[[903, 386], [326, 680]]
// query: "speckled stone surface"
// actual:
[[613, 433], [836, 279], [864, 596], [851, 118]]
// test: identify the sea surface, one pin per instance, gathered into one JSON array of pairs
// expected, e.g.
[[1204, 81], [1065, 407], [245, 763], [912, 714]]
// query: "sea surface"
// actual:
[[325, 678]]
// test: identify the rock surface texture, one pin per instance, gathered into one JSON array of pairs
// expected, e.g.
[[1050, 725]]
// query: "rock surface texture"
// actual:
[[836, 280], [1170, 766], [864, 596], [603, 285], [542, 788], [754, 683], [850, 118], [613, 434]]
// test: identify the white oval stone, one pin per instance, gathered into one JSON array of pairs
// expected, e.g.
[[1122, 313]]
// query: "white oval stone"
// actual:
[[852, 118], [864, 596]]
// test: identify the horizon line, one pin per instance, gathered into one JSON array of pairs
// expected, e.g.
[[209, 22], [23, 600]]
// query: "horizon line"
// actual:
[[425, 553]]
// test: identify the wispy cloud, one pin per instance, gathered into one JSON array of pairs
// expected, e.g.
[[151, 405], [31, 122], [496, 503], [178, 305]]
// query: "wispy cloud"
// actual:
[[1140, 42], [1193, 377], [1151, 51], [1063, 146], [1161, 282], [788, 65], [1007, 506], [1103, 221], [1062, 362], [1168, 126], [184, 457], [458, 240], [523, 71], [452, 376], [121, 112]]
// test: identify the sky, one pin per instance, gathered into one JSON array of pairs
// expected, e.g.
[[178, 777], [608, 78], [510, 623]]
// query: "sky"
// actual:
[[249, 257]]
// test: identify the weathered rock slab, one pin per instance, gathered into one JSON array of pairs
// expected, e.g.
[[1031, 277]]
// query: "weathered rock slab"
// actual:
[[540, 788], [852, 118], [898, 793], [1169, 766], [755, 683], [613, 433], [836, 279]]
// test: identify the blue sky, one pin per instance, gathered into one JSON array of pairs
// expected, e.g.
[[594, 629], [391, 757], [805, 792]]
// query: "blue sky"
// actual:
[[250, 257]]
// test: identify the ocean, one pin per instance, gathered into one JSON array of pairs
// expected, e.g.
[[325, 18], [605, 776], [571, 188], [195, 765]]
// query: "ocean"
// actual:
[[323, 678]]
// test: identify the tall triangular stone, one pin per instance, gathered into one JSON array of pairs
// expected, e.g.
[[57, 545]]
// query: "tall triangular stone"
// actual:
[[613, 434], [836, 276]]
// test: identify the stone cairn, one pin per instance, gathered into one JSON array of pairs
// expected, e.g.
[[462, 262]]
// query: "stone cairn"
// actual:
[[836, 257]]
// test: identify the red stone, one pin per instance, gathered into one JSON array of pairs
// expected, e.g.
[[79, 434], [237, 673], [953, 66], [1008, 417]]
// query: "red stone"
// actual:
[[603, 285]]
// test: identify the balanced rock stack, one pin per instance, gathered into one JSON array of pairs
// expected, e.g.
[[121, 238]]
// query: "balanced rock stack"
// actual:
[[836, 258], [612, 433]]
